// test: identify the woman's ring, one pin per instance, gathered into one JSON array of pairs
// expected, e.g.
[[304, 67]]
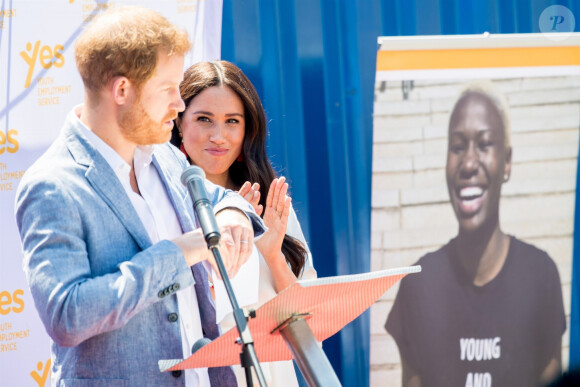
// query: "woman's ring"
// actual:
[[243, 241]]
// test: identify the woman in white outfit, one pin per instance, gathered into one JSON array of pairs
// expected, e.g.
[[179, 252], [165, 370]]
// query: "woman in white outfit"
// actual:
[[223, 131]]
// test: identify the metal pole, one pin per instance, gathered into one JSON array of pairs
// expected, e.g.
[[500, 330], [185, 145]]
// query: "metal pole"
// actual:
[[241, 322], [310, 357]]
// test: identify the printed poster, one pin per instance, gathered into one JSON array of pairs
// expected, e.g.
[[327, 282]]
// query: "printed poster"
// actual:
[[446, 170]]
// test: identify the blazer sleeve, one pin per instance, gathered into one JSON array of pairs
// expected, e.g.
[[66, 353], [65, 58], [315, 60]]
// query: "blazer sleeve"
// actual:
[[73, 302]]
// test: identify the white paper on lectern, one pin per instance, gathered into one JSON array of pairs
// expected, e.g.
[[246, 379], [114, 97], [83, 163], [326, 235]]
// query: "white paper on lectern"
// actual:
[[245, 285]]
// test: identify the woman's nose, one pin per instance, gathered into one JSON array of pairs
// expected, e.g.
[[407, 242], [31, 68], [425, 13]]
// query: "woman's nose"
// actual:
[[216, 135], [470, 161]]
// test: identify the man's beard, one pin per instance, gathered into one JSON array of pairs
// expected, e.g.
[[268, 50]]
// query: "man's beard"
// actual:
[[138, 127]]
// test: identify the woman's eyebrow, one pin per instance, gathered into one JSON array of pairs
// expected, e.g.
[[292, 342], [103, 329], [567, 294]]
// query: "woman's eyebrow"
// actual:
[[203, 112]]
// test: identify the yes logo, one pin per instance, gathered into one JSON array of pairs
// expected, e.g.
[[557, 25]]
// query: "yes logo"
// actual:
[[46, 55], [8, 141], [11, 302]]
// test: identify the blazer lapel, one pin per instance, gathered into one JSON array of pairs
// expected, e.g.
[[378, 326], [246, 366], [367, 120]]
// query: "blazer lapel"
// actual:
[[177, 193], [105, 182], [183, 206]]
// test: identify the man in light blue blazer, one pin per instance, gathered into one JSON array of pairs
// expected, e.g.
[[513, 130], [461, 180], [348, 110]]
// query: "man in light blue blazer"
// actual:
[[111, 249]]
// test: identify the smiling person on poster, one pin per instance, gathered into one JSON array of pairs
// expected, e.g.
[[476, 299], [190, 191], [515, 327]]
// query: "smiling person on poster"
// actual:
[[487, 308], [223, 131], [112, 255]]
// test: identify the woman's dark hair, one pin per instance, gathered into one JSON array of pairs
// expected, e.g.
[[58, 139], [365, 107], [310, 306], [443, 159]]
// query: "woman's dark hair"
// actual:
[[255, 166]]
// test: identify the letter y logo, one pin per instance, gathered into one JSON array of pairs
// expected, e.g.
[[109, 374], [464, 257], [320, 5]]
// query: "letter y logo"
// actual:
[[30, 60], [41, 379]]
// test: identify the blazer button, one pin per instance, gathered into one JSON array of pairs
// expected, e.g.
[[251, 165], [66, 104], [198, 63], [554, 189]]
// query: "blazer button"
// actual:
[[172, 317], [167, 291], [161, 294], [175, 287], [176, 374]]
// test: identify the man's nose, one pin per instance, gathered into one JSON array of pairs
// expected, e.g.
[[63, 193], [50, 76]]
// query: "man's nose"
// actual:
[[179, 104]]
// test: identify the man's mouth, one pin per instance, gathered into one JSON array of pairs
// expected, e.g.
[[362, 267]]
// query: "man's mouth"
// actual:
[[170, 117]]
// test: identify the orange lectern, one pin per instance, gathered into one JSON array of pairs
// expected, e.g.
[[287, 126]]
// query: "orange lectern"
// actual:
[[291, 324]]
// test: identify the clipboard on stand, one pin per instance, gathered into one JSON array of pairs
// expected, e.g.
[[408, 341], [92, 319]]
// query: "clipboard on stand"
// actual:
[[293, 323]]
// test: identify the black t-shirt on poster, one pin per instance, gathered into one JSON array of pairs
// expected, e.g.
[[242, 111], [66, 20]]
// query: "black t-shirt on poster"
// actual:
[[453, 333]]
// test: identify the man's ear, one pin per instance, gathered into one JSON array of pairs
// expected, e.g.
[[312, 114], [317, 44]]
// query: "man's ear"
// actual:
[[121, 90]]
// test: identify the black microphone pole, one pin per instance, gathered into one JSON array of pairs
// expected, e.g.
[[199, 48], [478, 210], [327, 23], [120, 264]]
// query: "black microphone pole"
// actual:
[[193, 178]]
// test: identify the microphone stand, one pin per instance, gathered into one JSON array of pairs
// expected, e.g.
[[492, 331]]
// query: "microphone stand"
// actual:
[[248, 355], [193, 178]]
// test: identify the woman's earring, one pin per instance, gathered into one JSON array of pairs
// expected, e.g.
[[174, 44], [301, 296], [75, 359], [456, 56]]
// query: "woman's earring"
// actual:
[[182, 148], [240, 158]]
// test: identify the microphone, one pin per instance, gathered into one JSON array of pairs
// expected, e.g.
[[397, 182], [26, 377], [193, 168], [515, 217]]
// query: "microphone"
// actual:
[[199, 344], [193, 178]]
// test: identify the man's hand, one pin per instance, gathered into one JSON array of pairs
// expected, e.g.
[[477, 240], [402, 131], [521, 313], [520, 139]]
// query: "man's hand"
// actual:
[[194, 247], [236, 242]]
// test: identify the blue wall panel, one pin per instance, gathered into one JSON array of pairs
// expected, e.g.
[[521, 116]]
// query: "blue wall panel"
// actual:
[[313, 63]]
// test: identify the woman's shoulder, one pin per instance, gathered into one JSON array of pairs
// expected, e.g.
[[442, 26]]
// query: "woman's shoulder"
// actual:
[[530, 256], [293, 228], [437, 257], [526, 250], [434, 266]]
